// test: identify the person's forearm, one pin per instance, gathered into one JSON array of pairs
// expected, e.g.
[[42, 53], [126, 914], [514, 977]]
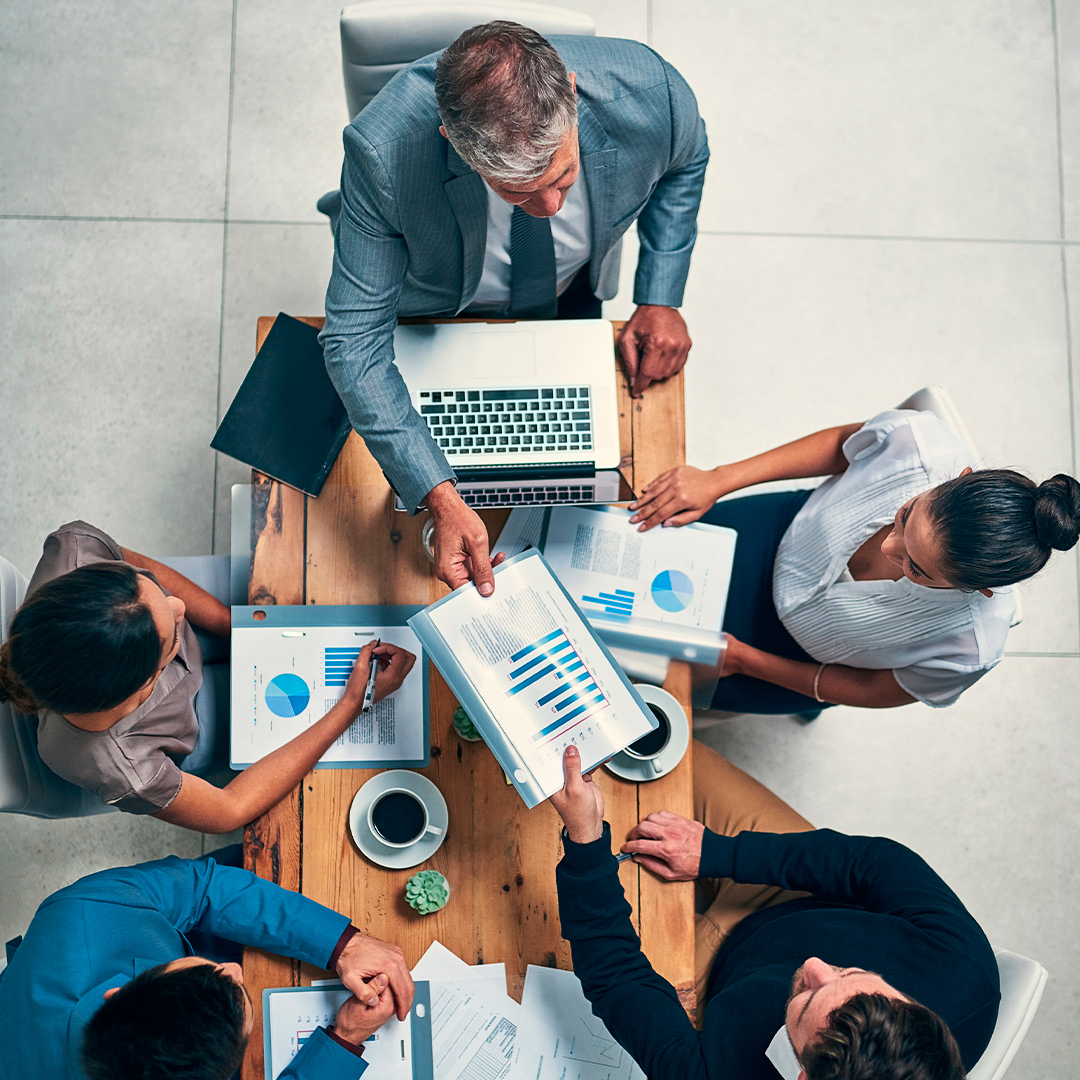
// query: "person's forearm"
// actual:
[[819, 454], [202, 609], [837, 685], [199, 805]]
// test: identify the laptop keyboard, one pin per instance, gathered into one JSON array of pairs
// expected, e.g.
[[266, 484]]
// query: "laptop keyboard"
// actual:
[[512, 422], [540, 495]]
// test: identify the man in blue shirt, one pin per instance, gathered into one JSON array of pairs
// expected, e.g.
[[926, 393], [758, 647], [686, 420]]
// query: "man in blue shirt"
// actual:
[[108, 983]]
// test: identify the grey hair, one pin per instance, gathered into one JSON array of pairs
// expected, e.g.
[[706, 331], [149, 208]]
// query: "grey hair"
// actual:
[[505, 100]]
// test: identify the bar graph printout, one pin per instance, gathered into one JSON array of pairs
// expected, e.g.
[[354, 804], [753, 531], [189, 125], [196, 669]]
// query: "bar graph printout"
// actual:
[[286, 676], [291, 1016], [542, 678]]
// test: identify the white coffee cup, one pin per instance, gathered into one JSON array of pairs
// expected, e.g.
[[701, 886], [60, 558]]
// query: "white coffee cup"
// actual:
[[399, 818]]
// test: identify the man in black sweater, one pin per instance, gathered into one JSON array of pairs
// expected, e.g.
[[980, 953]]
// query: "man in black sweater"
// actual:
[[875, 968]]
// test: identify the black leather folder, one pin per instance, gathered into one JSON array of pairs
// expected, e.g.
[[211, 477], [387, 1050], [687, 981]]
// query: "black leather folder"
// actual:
[[286, 420]]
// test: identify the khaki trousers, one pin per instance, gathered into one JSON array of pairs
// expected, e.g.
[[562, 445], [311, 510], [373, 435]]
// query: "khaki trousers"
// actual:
[[728, 801]]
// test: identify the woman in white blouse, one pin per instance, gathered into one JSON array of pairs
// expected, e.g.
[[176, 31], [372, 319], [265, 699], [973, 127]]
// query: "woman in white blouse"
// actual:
[[892, 582]]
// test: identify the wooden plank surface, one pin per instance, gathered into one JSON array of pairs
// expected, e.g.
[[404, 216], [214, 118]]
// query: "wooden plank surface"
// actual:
[[349, 546]]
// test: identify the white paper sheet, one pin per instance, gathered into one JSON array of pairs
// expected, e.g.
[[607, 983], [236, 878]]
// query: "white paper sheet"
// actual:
[[581, 1047], [478, 1032], [283, 681], [295, 1014], [677, 576], [439, 964], [540, 672]]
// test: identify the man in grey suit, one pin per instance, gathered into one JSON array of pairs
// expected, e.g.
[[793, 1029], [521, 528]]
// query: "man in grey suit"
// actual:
[[590, 133]]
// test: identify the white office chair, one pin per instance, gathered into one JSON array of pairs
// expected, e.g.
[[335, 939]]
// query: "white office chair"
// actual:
[[936, 399], [27, 784], [1022, 984], [380, 37]]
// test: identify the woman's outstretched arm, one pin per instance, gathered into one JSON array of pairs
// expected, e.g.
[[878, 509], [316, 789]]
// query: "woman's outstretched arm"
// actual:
[[206, 808], [837, 683], [683, 494]]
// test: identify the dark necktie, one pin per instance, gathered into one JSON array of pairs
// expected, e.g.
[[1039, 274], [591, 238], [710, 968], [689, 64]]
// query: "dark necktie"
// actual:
[[532, 267]]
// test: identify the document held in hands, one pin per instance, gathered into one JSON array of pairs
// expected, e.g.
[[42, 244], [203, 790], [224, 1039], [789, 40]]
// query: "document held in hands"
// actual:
[[532, 675]]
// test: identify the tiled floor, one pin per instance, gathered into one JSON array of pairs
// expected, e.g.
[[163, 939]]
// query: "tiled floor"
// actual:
[[893, 199]]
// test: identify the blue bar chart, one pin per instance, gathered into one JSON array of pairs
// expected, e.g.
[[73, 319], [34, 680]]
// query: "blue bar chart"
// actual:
[[558, 682], [616, 602], [338, 664]]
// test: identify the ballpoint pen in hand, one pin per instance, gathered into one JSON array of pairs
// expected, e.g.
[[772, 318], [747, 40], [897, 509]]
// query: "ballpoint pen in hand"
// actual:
[[623, 856], [369, 692]]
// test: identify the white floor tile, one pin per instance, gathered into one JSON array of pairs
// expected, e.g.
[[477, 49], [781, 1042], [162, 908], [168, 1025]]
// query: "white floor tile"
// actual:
[[1068, 36], [985, 791], [39, 856], [903, 118], [110, 346], [114, 108], [288, 109]]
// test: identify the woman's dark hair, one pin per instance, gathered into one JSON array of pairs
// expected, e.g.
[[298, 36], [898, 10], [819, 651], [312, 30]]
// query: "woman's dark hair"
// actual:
[[83, 642], [186, 1024], [997, 527], [873, 1037]]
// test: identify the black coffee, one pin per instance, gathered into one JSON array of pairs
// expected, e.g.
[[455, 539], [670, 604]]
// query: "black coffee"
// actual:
[[398, 817], [654, 742]]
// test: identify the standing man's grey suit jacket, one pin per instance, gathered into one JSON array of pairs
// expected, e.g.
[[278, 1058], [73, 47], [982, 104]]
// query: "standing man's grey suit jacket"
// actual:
[[413, 225]]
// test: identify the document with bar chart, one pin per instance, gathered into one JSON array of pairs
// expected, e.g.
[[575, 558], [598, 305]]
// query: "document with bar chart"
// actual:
[[663, 591], [532, 675], [290, 665]]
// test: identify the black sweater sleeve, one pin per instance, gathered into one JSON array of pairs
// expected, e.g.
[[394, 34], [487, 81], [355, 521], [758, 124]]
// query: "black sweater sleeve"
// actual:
[[641, 1010], [871, 873]]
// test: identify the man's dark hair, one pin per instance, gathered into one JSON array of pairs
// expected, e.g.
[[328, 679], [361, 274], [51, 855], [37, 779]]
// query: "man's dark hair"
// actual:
[[873, 1037], [186, 1024]]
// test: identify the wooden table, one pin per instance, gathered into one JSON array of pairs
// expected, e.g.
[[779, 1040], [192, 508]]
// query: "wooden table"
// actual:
[[349, 546]]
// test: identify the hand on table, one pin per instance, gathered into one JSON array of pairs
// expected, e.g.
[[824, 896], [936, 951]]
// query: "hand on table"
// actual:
[[653, 345], [580, 803], [356, 1021], [668, 844], [677, 497], [365, 957], [461, 541]]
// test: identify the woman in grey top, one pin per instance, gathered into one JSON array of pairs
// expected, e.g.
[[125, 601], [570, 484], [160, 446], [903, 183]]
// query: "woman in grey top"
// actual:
[[102, 650]]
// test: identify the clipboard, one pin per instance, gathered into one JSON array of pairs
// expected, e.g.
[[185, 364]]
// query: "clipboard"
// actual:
[[399, 1050], [289, 666]]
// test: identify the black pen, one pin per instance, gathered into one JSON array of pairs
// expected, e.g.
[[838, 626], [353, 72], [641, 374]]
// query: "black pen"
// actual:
[[369, 692]]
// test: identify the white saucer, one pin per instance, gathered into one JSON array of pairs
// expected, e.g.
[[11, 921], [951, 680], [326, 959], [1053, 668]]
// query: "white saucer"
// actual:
[[629, 768], [391, 857]]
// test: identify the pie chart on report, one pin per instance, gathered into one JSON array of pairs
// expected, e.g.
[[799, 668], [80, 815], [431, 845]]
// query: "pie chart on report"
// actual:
[[287, 695], [672, 590]]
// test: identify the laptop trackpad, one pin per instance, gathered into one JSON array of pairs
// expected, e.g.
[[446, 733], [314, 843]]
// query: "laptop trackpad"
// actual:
[[499, 356]]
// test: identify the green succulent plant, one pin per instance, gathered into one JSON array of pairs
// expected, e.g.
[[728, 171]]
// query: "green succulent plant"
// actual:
[[427, 891], [464, 726]]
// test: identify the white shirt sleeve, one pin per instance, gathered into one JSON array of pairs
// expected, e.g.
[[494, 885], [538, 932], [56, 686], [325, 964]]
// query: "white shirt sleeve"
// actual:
[[936, 684]]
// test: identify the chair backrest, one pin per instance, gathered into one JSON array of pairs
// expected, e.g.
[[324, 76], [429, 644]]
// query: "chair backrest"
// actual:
[[380, 37], [27, 784], [936, 399], [1022, 983]]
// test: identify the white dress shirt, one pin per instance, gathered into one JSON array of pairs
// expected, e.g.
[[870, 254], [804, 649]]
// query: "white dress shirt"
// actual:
[[569, 231], [937, 642]]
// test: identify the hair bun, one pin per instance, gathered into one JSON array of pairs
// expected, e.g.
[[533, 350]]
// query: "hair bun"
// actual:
[[1057, 512]]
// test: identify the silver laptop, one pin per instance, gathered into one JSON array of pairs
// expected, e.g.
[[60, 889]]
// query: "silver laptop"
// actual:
[[525, 412]]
